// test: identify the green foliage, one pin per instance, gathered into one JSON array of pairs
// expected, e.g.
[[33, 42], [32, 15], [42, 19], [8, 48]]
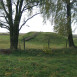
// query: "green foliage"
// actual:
[[57, 11], [47, 50]]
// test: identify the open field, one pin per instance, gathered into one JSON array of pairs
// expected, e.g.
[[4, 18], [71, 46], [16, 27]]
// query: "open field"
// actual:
[[33, 62], [38, 42]]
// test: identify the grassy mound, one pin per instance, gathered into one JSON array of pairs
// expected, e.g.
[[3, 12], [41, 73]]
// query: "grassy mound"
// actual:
[[42, 38], [38, 42]]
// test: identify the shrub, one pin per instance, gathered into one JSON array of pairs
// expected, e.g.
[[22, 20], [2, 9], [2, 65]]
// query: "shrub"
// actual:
[[47, 50]]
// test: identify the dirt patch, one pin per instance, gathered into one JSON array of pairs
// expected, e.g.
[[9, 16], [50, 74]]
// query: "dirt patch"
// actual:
[[5, 51]]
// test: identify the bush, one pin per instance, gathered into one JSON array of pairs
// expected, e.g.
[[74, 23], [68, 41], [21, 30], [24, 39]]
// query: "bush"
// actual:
[[47, 50]]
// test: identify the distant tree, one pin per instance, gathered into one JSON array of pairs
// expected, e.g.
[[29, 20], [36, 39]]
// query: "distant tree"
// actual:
[[11, 12]]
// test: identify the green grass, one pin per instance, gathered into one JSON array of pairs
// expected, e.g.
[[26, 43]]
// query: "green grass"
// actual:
[[35, 63], [40, 41], [4, 41]]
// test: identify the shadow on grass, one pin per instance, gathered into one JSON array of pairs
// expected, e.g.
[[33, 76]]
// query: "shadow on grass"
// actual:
[[28, 52], [39, 52]]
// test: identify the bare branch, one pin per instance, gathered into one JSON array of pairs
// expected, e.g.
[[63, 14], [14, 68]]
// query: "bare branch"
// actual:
[[2, 21], [3, 5], [26, 6], [4, 26], [27, 20], [14, 3], [17, 7], [20, 6], [24, 9], [6, 18], [9, 6], [2, 16]]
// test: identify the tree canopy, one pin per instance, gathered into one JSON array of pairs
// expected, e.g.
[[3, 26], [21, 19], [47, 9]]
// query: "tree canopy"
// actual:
[[63, 13], [57, 11]]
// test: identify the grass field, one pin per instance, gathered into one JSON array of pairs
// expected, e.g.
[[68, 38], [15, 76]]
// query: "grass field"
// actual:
[[33, 62], [38, 42]]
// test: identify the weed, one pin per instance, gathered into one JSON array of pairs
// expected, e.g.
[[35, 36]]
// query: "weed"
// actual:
[[47, 50]]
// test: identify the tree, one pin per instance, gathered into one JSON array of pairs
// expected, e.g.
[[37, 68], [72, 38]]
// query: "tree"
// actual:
[[60, 12], [69, 30], [12, 11], [68, 20]]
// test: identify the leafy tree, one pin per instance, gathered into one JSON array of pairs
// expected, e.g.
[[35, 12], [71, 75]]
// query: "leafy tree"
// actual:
[[12, 11], [61, 12]]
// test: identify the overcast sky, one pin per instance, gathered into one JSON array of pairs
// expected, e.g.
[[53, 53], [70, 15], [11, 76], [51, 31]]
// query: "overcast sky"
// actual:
[[36, 24]]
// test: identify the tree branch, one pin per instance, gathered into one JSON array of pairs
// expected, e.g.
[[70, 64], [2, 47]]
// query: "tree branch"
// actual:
[[6, 18], [27, 4], [27, 20], [4, 26], [20, 6], [3, 5], [24, 9], [2, 21], [17, 7], [2, 16]]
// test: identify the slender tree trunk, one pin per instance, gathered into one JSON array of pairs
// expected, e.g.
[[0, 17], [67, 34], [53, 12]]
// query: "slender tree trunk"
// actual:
[[70, 37]]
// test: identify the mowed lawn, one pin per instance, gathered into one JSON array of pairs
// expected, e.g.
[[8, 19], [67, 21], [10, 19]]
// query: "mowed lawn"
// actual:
[[33, 62]]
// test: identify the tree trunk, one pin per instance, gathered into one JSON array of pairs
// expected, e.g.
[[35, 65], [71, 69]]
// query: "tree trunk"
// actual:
[[14, 38], [70, 37], [70, 40]]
